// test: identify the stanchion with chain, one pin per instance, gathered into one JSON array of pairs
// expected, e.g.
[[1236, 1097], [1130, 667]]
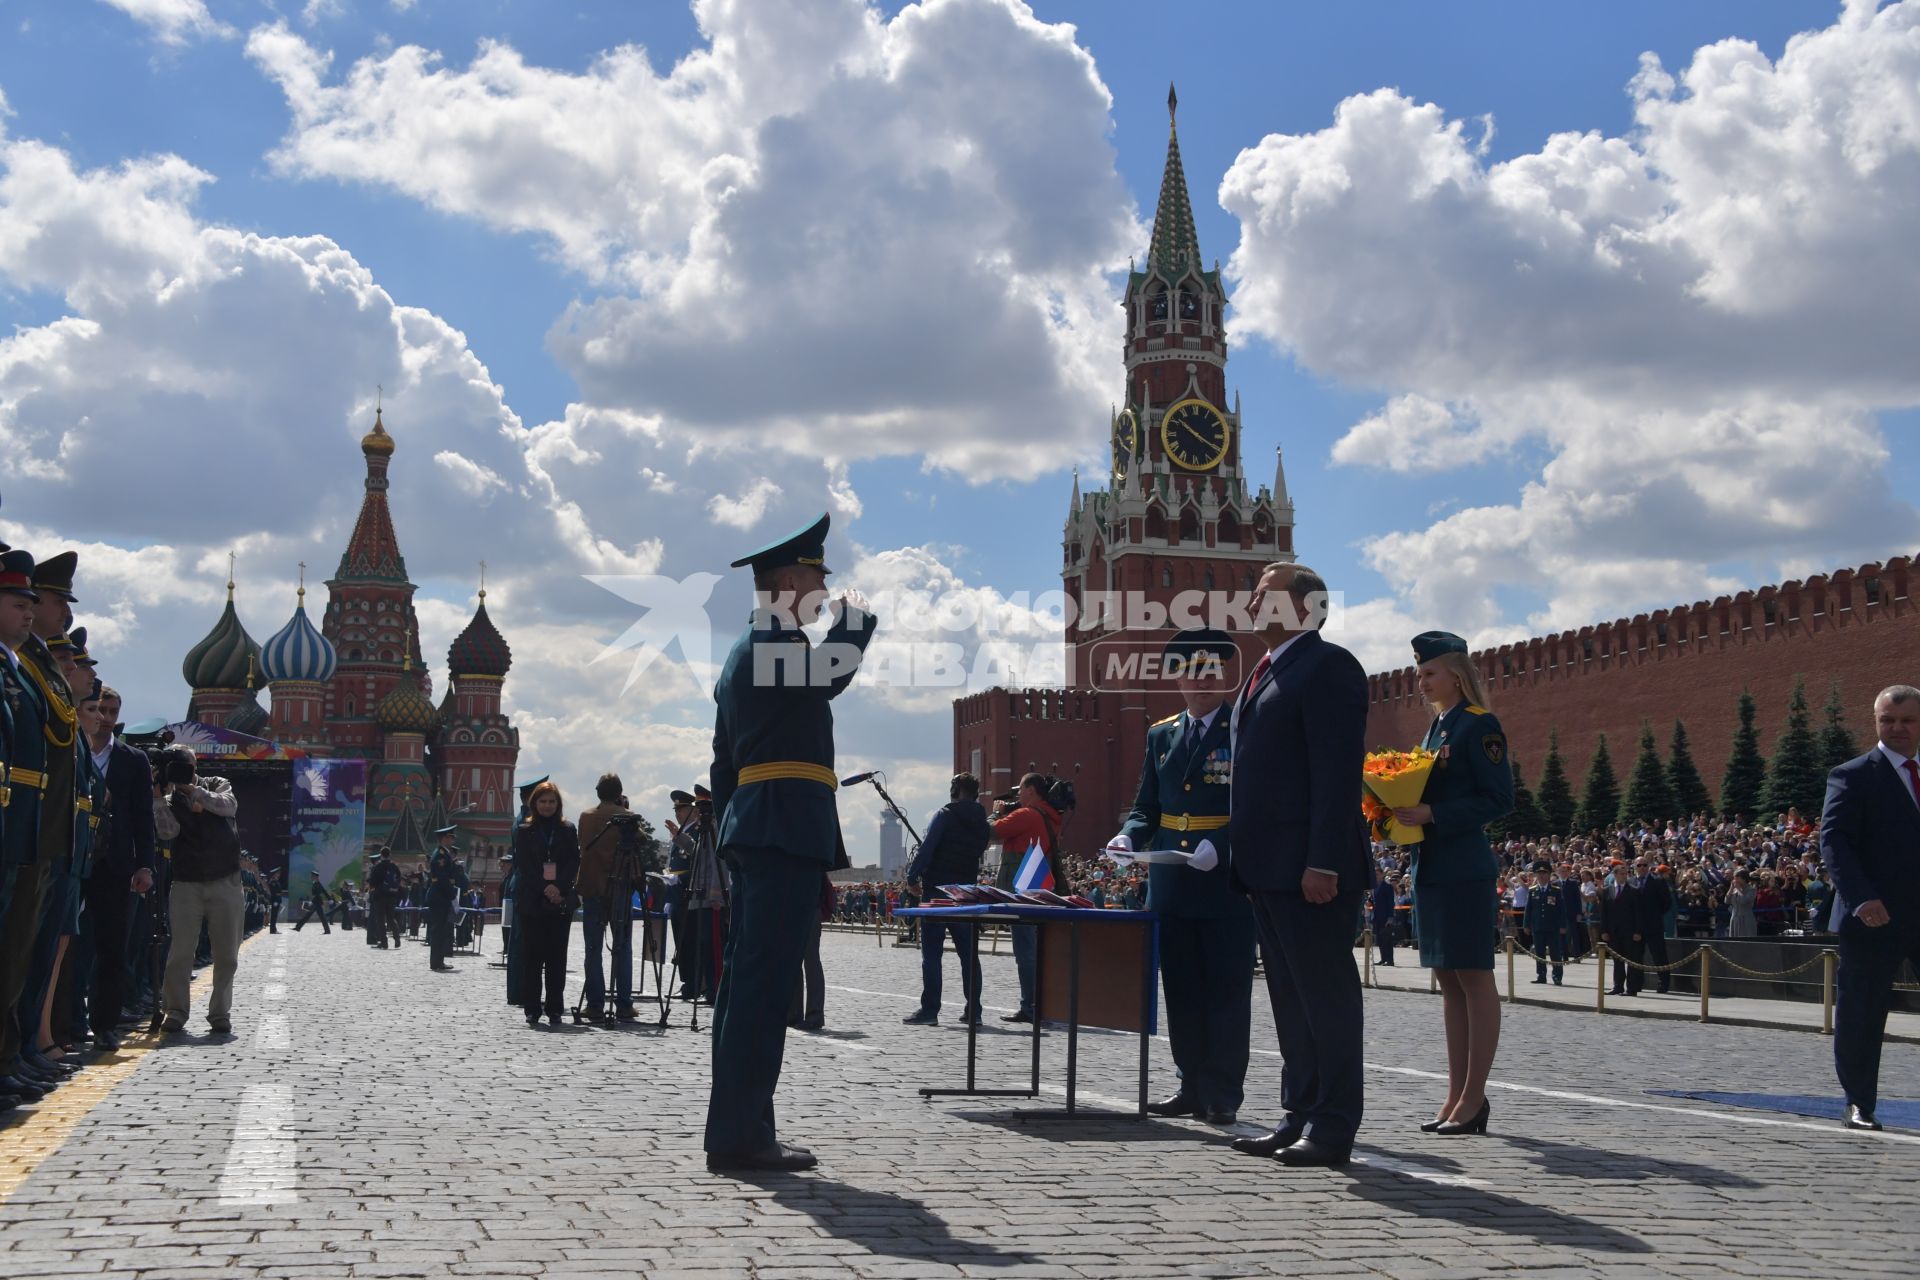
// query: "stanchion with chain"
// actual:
[[1829, 959], [1509, 968], [1600, 978], [1706, 976]]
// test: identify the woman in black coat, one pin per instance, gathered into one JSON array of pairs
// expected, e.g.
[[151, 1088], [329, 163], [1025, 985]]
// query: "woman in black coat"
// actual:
[[546, 862]]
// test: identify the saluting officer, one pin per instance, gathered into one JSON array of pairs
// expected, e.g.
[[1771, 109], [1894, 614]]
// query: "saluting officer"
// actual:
[[1548, 922], [1206, 929], [446, 881], [773, 784]]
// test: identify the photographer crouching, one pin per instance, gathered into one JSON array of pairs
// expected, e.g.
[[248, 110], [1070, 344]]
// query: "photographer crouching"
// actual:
[[194, 815]]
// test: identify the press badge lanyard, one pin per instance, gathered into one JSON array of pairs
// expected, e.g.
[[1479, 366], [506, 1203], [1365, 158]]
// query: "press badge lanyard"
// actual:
[[551, 869]]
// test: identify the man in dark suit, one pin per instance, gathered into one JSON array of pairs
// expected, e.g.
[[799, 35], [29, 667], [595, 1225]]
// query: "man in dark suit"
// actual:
[[122, 866], [1656, 896], [1299, 850], [1870, 838], [773, 791], [1620, 929]]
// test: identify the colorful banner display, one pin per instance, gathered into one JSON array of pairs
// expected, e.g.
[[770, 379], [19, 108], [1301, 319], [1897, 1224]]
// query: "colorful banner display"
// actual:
[[217, 742], [329, 820]]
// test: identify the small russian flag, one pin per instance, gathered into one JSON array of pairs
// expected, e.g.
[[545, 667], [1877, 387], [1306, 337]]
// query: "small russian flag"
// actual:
[[1034, 872]]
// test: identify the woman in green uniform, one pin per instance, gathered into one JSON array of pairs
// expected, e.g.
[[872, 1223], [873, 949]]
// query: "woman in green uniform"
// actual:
[[1454, 871]]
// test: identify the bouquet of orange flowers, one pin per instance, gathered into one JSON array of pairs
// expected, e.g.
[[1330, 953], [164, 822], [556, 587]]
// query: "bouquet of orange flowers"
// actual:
[[1394, 780]]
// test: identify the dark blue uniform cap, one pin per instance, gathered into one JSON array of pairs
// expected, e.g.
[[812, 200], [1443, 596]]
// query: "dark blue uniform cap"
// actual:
[[808, 547], [526, 788], [681, 797], [701, 793], [16, 573], [447, 831], [1429, 645], [80, 655], [1201, 641]]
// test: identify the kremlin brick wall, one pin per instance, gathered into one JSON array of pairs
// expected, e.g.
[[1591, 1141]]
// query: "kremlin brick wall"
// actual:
[[1859, 627]]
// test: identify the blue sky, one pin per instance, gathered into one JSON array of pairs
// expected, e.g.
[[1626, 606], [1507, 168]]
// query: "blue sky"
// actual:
[[85, 78]]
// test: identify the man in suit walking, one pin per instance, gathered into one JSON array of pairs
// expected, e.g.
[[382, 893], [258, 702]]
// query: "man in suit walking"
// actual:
[[1870, 838], [1299, 851]]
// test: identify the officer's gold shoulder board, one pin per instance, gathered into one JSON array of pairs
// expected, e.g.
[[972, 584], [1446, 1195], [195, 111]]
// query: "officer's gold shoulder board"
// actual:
[[1169, 720], [1474, 709], [1495, 745]]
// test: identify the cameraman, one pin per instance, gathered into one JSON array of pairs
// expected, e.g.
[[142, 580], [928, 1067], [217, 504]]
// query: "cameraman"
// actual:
[[383, 899], [1019, 824], [606, 902], [194, 815], [950, 854]]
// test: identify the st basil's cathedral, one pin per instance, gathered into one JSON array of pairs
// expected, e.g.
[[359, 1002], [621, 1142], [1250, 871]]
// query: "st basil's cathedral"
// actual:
[[357, 686]]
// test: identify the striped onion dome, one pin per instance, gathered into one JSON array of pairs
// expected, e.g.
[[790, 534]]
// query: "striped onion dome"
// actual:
[[298, 651], [223, 659]]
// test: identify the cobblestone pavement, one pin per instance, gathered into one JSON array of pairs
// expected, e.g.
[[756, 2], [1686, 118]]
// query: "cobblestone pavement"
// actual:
[[370, 1118]]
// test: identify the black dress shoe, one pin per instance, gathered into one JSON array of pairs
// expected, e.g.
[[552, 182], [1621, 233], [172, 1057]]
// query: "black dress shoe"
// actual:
[[775, 1159], [1223, 1117], [626, 1013], [1268, 1145], [920, 1018], [220, 1028], [1859, 1119], [533, 1019], [104, 1043], [1016, 1016], [1178, 1105], [1455, 1128], [1308, 1154], [30, 1089]]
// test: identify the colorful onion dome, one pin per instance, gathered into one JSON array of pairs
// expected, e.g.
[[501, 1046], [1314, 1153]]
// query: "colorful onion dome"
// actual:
[[377, 440], [298, 651], [405, 709], [480, 650], [223, 659]]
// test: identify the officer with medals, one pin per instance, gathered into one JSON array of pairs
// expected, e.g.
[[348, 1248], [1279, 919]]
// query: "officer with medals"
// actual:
[[1548, 923], [773, 791], [54, 772], [1455, 901], [1206, 928], [446, 881]]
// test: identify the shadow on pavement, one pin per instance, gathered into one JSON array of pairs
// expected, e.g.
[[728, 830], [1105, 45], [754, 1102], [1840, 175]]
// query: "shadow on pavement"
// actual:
[[1597, 1164], [1097, 1125], [882, 1222], [1484, 1210]]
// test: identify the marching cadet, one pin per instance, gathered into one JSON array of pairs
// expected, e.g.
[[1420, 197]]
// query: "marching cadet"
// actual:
[[1548, 922], [1206, 928], [773, 783], [446, 881]]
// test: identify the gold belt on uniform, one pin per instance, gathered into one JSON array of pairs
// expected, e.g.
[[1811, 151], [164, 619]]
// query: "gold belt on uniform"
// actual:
[[27, 778], [773, 769], [1194, 822]]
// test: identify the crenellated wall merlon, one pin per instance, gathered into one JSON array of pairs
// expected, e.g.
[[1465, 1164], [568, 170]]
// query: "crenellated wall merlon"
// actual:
[[1789, 610]]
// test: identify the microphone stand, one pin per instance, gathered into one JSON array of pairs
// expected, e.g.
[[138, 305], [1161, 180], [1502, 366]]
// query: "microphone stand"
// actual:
[[875, 780]]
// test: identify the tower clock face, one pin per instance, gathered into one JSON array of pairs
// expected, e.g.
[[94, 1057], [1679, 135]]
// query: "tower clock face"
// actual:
[[1126, 441], [1195, 435]]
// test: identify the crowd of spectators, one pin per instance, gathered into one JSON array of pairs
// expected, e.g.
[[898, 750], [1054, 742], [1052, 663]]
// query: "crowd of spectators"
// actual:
[[1728, 877]]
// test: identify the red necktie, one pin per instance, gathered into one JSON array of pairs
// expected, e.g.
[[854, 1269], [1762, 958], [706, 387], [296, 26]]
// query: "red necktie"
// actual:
[[1913, 779], [1259, 669]]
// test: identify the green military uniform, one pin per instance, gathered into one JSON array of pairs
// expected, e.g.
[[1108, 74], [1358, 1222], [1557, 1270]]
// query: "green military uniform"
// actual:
[[773, 794], [52, 761], [446, 881], [1206, 927]]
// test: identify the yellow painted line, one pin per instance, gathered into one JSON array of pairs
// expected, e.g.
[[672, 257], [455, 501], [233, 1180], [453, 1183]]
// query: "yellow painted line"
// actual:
[[26, 1142]]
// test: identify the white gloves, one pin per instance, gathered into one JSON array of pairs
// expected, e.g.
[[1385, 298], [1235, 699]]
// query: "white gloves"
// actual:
[[1120, 847], [1205, 858]]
